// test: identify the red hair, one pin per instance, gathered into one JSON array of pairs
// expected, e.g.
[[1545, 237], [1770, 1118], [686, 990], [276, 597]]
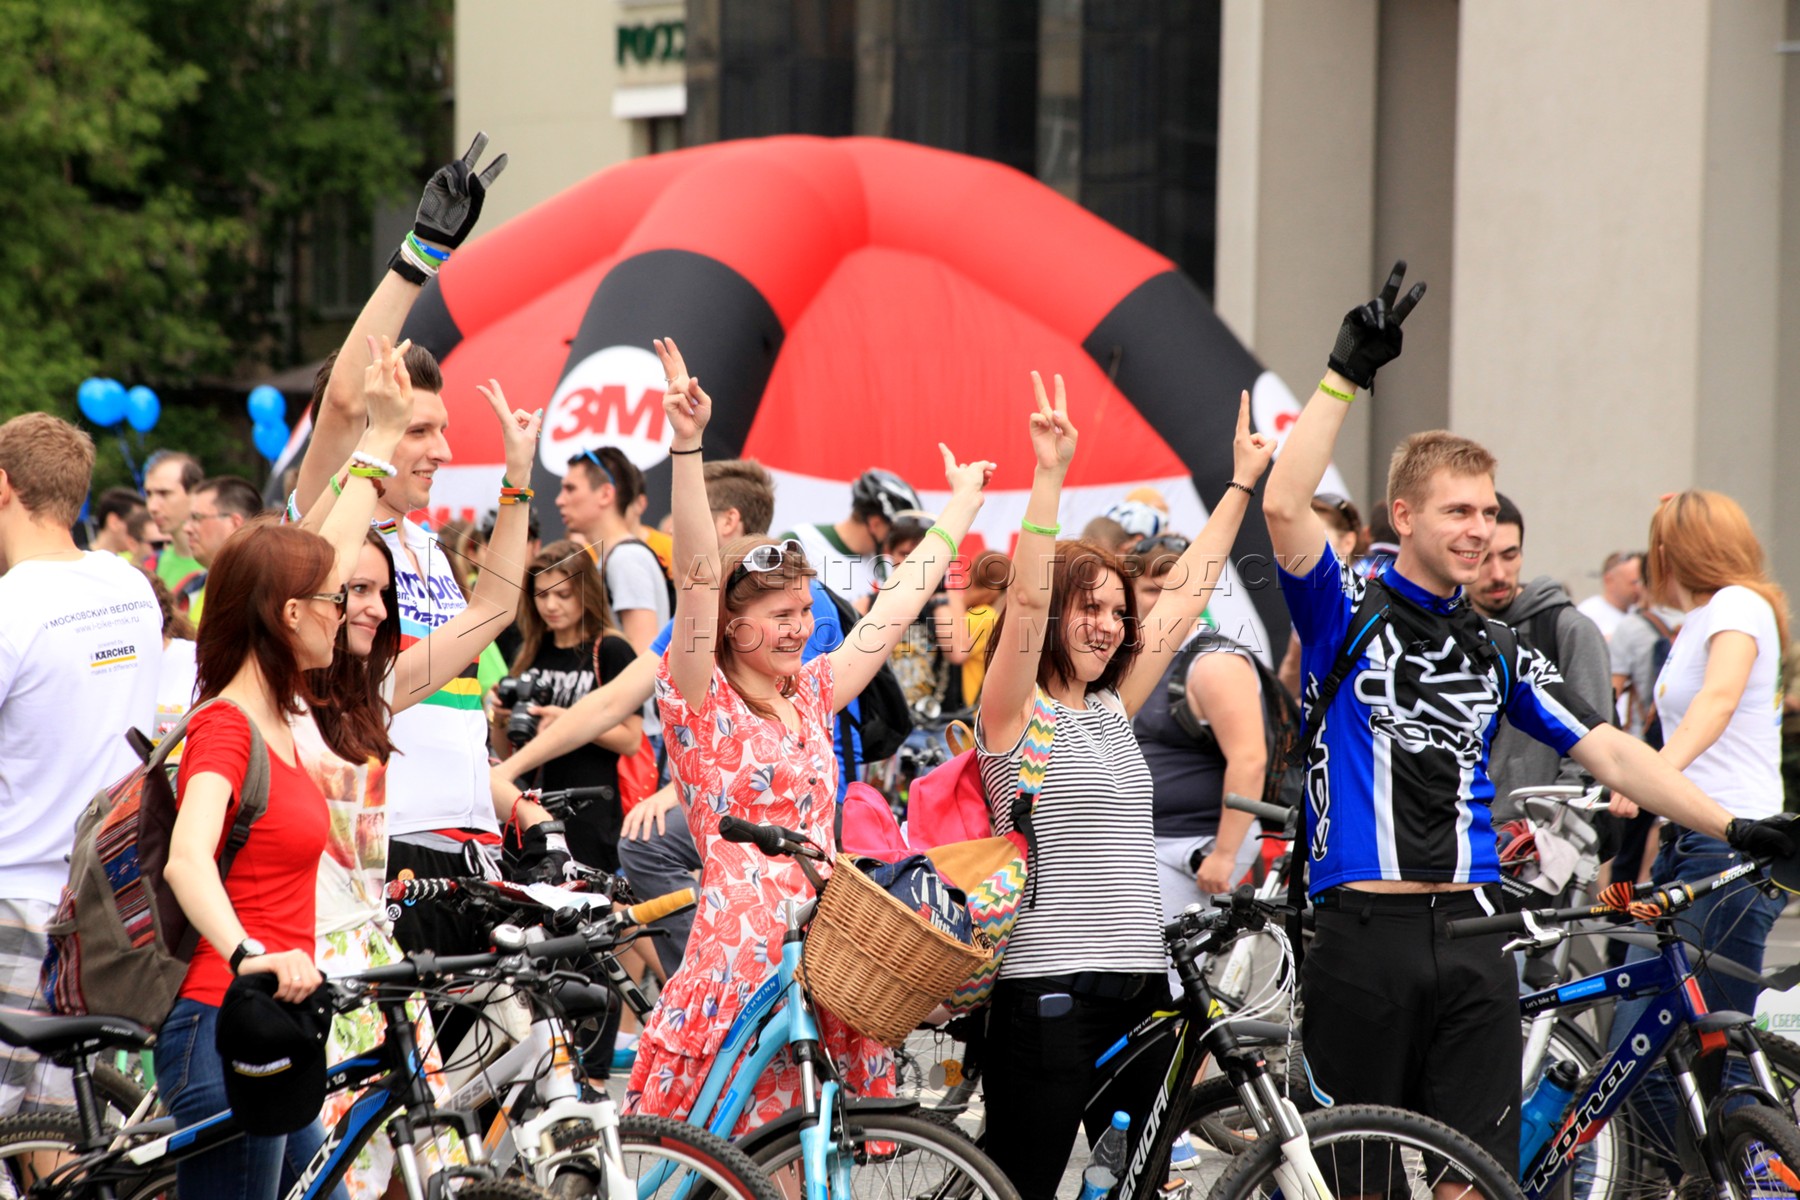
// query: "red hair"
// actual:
[[263, 566]]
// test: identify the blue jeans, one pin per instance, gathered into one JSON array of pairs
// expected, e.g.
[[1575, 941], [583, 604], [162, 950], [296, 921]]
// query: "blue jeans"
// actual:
[[1733, 923], [192, 1080]]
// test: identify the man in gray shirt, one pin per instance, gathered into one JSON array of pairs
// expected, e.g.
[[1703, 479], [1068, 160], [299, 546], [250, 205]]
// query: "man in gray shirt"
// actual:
[[1542, 613]]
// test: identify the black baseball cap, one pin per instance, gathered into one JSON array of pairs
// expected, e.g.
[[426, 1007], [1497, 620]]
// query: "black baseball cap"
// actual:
[[273, 1055]]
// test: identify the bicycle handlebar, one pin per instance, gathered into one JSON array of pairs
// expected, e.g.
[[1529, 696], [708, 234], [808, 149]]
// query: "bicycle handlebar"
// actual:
[[661, 906], [1648, 903], [569, 801], [772, 840], [1272, 813]]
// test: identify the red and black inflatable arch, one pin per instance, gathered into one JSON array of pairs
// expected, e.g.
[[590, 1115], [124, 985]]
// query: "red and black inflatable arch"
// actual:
[[848, 303]]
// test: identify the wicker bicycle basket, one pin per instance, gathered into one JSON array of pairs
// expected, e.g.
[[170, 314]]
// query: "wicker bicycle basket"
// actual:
[[875, 964]]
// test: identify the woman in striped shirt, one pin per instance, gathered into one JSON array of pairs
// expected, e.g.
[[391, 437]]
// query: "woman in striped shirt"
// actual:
[[1085, 962]]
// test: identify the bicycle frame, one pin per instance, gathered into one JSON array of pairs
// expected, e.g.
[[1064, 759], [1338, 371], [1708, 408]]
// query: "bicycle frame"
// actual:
[[394, 1076], [1676, 1004], [779, 1003]]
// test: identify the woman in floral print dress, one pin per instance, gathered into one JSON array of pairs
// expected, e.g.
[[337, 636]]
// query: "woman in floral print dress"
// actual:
[[748, 729]]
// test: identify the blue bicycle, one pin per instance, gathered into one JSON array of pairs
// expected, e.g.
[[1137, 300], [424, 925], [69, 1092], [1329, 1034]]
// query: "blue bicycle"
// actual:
[[1730, 1140], [835, 1145]]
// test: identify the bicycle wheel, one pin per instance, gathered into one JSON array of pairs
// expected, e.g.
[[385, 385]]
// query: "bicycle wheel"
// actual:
[[1762, 1153], [1784, 1064], [1217, 1118], [120, 1093], [1367, 1150], [24, 1138], [499, 1189], [895, 1155], [704, 1164]]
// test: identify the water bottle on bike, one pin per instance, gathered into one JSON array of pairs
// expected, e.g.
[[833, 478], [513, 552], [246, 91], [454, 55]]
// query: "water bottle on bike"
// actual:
[[1108, 1160], [1543, 1110]]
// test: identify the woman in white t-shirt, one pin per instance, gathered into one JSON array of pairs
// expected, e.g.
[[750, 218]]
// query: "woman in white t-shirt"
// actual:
[[1719, 697]]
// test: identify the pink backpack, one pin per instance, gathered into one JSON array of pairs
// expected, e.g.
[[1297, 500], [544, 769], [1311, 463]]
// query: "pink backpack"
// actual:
[[947, 804], [870, 830]]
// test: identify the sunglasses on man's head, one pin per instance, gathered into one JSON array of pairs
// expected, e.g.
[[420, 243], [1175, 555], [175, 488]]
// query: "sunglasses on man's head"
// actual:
[[595, 459]]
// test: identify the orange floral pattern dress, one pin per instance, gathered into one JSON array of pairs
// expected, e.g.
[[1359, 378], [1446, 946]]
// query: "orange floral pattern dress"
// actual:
[[726, 759]]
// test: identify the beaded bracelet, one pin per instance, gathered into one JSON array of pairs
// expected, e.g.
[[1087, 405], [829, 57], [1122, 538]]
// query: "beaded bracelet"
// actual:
[[945, 534], [1248, 491], [1045, 530], [1346, 397], [369, 460]]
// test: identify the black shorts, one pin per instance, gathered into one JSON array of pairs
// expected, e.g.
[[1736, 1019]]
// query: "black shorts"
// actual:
[[1399, 1014]]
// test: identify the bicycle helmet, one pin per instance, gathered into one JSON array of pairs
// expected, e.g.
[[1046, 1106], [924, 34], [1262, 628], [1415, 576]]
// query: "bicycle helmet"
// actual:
[[878, 493], [1137, 518]]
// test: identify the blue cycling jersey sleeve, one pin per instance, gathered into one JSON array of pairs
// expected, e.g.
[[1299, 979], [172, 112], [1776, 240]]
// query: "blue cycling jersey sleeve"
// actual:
[[660, 646], [1321, 603], [1543, 704]]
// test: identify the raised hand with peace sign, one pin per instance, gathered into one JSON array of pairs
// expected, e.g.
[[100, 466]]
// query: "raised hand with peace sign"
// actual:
[[1369, 338]]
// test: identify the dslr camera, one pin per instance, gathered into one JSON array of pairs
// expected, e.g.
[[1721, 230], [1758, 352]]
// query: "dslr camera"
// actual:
[[519, 693]]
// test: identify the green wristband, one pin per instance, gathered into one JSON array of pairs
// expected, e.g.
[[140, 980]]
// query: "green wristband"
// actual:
[[945, 534], [1346, 397], [1045, 530]]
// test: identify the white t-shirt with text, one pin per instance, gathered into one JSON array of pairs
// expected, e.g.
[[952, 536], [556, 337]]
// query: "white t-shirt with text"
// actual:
[[80, 654], [1742, 770], [175, 685]]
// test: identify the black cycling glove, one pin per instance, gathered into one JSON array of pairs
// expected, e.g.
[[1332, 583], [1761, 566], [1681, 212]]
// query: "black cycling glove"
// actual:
[[452, 201], [545, 854], [1370, 335], [1770, 838]]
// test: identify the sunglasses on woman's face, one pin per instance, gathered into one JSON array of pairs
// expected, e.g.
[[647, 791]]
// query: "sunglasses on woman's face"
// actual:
[[337, 598], [765, 558], [1174, 543]]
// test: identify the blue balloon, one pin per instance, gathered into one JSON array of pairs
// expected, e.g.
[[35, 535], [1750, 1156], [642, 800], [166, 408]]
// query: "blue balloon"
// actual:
[[102, 401], [142, 408], [271, 439], [87, 397], [267, 405]]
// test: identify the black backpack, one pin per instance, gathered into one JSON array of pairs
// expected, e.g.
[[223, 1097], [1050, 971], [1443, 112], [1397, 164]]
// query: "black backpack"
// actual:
[[1284, 732], [886, 718]]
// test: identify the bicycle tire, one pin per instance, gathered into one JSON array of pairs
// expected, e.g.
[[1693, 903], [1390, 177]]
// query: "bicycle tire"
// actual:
[[1350, 1141], [962, 1172], [729, 1172], [1784, 1064], [499, 1189], [119, 1092], [1762, 1153], [34, 1133], [1215, 1114]]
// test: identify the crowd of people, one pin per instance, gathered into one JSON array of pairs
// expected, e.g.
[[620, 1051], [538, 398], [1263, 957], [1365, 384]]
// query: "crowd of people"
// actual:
[[402, 684]]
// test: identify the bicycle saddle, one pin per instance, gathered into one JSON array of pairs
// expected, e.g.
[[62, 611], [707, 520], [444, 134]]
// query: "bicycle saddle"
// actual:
[[54, 1036]]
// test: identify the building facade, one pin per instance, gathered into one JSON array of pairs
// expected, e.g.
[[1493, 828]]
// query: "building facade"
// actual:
[[1604, 197]]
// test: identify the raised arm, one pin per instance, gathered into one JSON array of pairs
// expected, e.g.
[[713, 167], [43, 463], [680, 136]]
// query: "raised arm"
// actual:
[[342, 515], [434, 660], [1369, 338], [446, 215], [913, 582], [1010, 685], [1166, 625], [696, 553]]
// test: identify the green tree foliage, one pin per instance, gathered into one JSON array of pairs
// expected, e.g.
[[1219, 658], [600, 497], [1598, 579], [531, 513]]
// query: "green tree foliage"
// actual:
[[166, 160], [101, 264]]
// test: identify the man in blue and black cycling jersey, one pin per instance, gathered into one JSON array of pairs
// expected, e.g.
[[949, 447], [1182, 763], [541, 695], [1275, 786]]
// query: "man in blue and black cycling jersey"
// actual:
[[1404, 687]]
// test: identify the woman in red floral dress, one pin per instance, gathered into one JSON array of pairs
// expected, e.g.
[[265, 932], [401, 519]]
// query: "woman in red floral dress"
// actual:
[[748, 729]]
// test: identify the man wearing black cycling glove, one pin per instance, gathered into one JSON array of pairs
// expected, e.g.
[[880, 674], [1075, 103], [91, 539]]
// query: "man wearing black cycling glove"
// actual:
[[545, 857], [1405, 687], [447, 213], [1770, 839]]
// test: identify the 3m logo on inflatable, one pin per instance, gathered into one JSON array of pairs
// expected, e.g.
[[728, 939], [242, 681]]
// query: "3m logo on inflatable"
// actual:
[[613, 397]]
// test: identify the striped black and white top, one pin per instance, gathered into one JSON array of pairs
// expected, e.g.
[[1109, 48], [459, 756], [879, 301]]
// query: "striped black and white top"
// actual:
[[1095, 868]]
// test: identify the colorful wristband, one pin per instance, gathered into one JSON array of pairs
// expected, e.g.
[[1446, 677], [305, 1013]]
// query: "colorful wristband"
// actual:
[[337, 489], [1045, 530], [1346, 397], [366, 472], [945, 534]]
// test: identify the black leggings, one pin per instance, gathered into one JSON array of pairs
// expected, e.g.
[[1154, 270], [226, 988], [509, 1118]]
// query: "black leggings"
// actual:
[[1040, 1074]]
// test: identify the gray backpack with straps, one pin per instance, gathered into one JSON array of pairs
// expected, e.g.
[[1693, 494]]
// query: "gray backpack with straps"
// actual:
[[119, 943]]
